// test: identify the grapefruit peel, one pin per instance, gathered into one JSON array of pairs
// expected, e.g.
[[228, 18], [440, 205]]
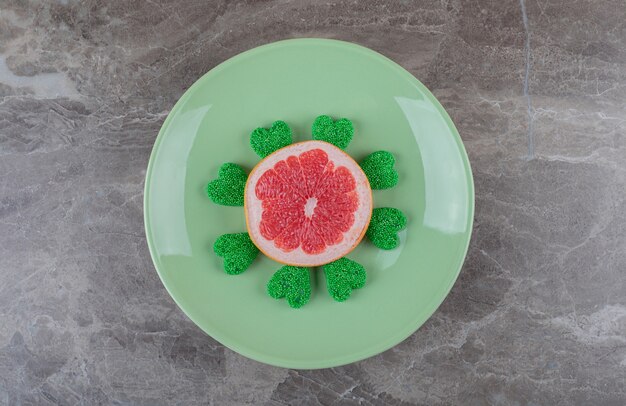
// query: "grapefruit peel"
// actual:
[[292, 282], [307, 204]]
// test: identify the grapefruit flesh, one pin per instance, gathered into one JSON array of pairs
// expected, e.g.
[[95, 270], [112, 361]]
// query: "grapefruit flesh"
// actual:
[[307, 204]]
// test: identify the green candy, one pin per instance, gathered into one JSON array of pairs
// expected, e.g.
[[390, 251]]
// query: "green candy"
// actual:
[[378, 167], [265, 141], [228, 188], [238, 252], [342, 276], [339, 133], [384, 226], [292, 283]]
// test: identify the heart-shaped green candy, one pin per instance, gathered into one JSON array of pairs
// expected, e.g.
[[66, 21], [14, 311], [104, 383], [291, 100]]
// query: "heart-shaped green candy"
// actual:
[[292, 283], [238, 252], [378, 167], [384, 226], [264, 141], [228, 188], [339, 133], [342, 276]]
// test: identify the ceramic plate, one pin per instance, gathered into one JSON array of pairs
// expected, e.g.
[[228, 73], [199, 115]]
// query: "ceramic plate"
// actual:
[[295, 81]]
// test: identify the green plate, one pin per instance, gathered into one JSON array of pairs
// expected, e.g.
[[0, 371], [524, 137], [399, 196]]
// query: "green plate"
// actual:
[[295, 81]]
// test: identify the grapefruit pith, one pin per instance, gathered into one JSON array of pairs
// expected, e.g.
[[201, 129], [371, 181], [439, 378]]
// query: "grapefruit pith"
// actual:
[[307, 204]]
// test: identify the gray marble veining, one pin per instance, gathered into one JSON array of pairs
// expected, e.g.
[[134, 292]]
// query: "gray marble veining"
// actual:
[[537, 89]]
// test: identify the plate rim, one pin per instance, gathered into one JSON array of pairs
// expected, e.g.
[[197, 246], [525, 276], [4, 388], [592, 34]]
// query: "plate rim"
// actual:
[[371, 351]]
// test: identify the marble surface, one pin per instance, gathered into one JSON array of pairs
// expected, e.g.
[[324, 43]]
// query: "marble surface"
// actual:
[[537, 89]]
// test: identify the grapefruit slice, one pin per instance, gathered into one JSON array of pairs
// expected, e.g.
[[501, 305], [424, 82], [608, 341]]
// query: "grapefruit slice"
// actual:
[[307, 204]]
